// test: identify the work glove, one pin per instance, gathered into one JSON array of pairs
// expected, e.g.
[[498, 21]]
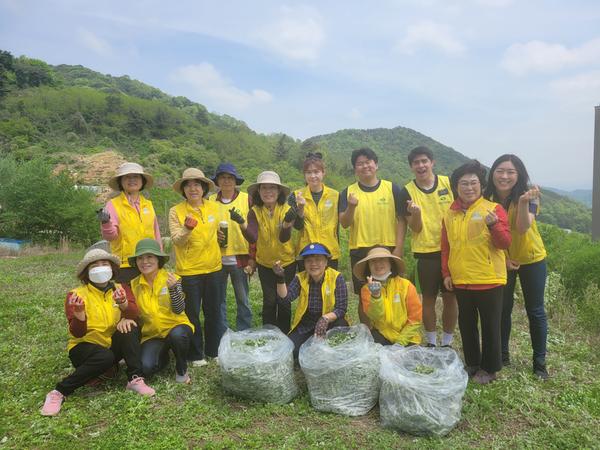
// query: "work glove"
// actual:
[[321, 327], [103, 215], [236, 216]]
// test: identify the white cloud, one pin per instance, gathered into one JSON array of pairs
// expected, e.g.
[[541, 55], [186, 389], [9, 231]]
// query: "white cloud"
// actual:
[[297, 34], [94, 43], [584, 87], [430, 34], [539, 56], [211, 87]]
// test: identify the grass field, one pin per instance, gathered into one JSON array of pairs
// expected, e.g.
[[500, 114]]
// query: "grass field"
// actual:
[[518, 411]]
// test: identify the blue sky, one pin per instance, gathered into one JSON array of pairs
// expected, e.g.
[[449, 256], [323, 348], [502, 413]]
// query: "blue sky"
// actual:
[[485, 77]]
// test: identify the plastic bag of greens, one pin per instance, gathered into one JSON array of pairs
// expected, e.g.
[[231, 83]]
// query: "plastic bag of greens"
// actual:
[[342, 370], [421, 389], [258, 364]]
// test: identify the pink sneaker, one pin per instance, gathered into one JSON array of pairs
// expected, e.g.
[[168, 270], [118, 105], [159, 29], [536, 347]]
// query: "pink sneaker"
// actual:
[[138, 385], [53, 403]]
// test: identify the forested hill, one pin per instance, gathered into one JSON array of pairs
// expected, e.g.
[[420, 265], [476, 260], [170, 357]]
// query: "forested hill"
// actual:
[[68, 115]]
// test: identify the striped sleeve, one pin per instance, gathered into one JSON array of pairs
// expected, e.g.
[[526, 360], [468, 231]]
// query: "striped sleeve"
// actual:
[[177, 298]]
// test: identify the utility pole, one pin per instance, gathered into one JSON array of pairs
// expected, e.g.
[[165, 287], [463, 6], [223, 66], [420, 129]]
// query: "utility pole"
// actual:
[[596, 179]]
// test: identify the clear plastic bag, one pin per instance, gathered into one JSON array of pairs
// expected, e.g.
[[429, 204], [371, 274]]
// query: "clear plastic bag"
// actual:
[[421, 389], [258, 364], [342, 370]]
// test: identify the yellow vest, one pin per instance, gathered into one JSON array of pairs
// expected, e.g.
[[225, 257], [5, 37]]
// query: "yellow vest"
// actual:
[[268, 247], [154, 304], [321, 221], [201, 253], [133, 226], [473, 257], [374, 217], [236, 243], [392, 324], [526, 248], [102, 316], [327, 293], [433, 207]]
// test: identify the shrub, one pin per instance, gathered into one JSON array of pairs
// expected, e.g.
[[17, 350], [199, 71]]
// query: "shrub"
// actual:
[[589, 308]]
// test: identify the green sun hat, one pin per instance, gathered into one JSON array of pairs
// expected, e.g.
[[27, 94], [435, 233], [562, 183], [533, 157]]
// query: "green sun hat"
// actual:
[[147, 246]]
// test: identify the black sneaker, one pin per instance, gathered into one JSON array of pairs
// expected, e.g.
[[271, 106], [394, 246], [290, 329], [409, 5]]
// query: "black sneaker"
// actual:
[[540, 371], [506, 359], [447, 346], [430, 345]]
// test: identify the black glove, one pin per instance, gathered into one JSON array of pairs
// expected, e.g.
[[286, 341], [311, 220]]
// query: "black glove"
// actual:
[[321, 327], [291, 200], [290, 216], [236, 216], [103, 215]]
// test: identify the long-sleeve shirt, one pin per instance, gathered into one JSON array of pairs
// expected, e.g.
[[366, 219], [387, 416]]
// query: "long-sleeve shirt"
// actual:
[[110, 230], [500, 235], [78, 328], [314, 310]]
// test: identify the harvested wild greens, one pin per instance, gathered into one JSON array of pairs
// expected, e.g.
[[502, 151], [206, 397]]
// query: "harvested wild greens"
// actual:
[[258, 364], [342, 370], [425, 404]]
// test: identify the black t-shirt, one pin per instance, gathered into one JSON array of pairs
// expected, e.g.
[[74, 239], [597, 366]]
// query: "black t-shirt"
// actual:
[[343, 201], [405, 196]]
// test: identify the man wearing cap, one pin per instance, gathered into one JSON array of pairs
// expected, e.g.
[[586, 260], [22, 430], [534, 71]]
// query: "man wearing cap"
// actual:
[[425, 201], [371, 209], [193, 224], [129, 216], [322, 294], [233, 209]]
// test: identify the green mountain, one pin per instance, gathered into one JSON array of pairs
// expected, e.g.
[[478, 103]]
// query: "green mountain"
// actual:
[[581, 195], [64, 113]]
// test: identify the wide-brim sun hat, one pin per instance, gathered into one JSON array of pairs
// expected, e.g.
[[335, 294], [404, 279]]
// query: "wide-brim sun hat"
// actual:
[[314, 248], [194, 174], [126, 169], [93, 255], [268, 177], [229, 169], [377, 252], [145, 247]]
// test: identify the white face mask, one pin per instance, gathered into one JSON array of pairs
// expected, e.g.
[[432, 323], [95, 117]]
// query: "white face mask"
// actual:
[[100, 275], [383, 277]]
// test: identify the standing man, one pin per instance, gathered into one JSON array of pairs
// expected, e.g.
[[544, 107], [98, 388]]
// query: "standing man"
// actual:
[[233, 209], [371, 208], [425, 200]]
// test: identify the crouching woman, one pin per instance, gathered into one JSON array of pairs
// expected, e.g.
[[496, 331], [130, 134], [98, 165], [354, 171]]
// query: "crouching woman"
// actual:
[[160, 299], [102, 327], [390, 301], [322, 294]]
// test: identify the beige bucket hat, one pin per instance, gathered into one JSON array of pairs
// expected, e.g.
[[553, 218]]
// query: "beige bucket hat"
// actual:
[[93, 255], [194, 174], [268, 177], [377, 252], [127, 168]]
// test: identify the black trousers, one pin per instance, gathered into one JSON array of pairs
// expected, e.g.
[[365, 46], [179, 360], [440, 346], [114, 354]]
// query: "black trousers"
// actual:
[[299, 337], [92, 360], [486, 307], [272, 312]]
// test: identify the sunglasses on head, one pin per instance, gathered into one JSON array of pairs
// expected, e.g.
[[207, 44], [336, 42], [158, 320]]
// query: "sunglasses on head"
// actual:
[[316, 155]]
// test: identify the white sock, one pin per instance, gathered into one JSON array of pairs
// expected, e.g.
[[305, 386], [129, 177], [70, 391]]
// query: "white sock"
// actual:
[[447, 338], [431, 337]]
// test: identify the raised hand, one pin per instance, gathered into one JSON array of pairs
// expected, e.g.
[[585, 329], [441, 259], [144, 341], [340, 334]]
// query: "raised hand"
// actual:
[[352, 200], [119, 296], [374, 287], [190, 223], [77, 303], [300, 201], [532, 194], [235, 215], [321, 327], [290, 215], [491, 218], [103, 215], [171, 280], [278, 269], [412, 208]]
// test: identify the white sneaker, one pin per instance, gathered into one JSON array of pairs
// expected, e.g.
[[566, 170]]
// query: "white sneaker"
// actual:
[[198, 363], [184, 379]]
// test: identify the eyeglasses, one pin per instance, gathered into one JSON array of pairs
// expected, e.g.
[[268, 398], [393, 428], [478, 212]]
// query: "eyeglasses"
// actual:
[[316, 155]]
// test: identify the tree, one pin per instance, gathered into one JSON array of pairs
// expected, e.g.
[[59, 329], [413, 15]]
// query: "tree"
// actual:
[[114, 103]]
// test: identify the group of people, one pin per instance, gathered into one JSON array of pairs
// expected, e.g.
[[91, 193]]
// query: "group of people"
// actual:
[[471, 237]]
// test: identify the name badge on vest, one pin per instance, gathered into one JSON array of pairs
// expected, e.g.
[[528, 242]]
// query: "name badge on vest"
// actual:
[[146, 210], [382, 201], [164, 291], [476, 216], [396, 298], [442, 192], [211, 218], [328, 203], [327, 290]]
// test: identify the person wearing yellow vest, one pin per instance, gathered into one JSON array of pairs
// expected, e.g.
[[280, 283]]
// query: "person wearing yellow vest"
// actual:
[[475, 233], [425, 200], [235, 253], [508, 185], [102, 329], [129, 216], [390, 301], [161, 302], [321, 293], [317, 210], [269, 226], [371, 208], [193, 224]]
